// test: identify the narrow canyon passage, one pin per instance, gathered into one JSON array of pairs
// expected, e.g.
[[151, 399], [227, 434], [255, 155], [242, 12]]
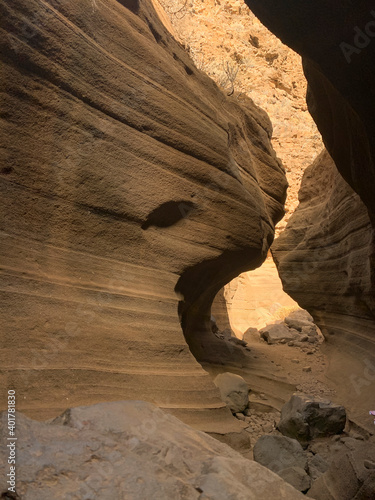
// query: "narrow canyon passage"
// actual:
[[161, 286]]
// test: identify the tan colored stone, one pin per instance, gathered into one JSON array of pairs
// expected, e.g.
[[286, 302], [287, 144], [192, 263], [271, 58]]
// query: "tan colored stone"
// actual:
[[129, 199]]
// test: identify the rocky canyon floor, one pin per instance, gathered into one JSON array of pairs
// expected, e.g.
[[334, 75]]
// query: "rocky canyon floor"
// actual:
[[273, 372]]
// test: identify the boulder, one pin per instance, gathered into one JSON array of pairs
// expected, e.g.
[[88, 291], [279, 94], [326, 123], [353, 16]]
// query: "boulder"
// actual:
[[347, 477], [296, 323], [250, 335], [305, 418], [234, 391], [277, 332], [301, 315], [297, 477], [310, 331], [279, 452], [130, 450], [316, 466]]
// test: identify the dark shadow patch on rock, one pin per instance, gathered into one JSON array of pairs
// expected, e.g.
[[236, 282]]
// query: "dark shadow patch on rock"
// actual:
[[132, 5], [169, 213], [197, 288]]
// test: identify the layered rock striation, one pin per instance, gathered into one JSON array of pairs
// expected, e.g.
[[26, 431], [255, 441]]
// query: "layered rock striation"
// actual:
[[326, 256], [324, 260], [133, 189]]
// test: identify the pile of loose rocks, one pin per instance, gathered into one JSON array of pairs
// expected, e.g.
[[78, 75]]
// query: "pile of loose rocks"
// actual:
[[297, 330], [310, 444], [311, 450], [234, 392]]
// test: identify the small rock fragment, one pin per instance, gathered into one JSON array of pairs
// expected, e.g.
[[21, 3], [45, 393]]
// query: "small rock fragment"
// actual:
[[267, 428]]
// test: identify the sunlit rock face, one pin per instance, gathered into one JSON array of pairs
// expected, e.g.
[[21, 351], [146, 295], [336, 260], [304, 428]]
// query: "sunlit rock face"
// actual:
[[132, 190]]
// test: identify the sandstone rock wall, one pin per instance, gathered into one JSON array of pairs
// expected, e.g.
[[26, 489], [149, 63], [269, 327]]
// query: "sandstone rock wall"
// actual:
[[227, 41], [326, 257], [324, 260], [132, 191]]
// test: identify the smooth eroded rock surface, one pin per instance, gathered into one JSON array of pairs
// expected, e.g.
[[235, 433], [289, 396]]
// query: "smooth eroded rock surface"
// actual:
[[133, 189], [325, 260], [131, 450]]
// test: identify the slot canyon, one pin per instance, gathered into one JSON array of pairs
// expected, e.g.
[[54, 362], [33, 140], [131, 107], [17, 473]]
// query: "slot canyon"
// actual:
[[187, 249]]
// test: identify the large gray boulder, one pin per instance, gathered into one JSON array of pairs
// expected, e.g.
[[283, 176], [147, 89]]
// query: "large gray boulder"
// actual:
[[234, 391], [297, 477], [296, 323], [348, 477], [310, 330], [305, 418], [317, 466], [277, 332], [279, 452], [130, 450]]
